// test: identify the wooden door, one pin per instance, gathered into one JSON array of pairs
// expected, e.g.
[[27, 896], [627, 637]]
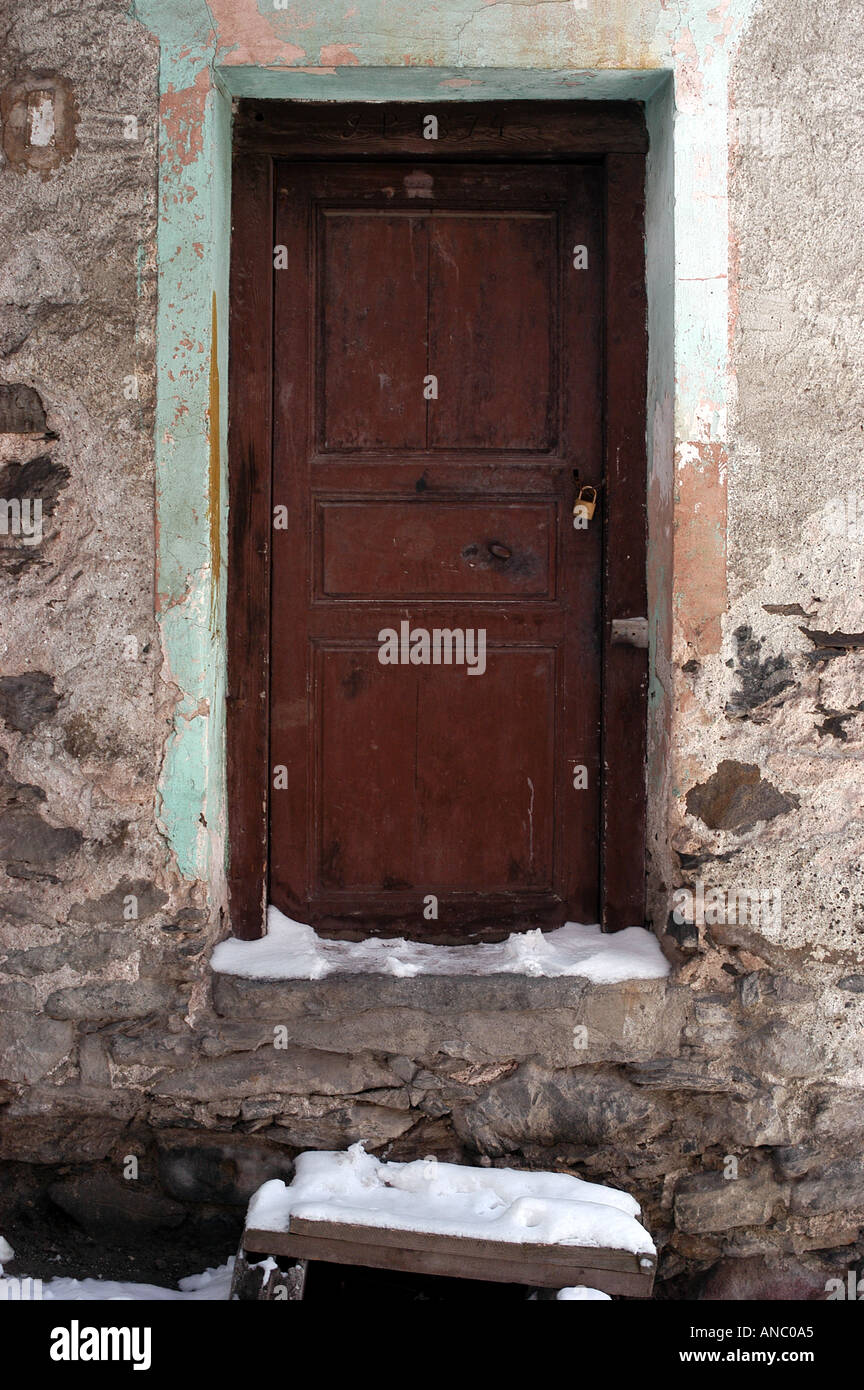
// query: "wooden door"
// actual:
[[437, 403]]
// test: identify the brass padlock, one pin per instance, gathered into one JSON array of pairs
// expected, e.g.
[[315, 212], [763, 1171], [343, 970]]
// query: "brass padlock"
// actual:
[[583, 507]]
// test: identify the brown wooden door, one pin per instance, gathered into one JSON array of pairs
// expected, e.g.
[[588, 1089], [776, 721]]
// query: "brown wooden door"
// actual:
[[437, 403]]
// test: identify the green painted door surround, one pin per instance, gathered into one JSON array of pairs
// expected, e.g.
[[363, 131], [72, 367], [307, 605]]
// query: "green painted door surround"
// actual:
[[674, 59]]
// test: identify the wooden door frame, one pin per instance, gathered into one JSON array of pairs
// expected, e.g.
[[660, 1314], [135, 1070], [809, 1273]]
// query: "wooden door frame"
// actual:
[[612, 134]]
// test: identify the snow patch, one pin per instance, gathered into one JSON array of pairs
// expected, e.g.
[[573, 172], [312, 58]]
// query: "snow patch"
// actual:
[[581, 1291], [293, 951], [450, 1199], [213, 1286]]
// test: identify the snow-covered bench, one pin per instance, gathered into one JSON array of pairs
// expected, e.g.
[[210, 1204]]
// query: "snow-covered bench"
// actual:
[[547, 1230]]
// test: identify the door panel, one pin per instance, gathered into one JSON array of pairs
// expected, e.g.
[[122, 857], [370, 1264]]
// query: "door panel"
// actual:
[[491, 330], [443, 512], [373, 331], [457, 550], [372, 724]]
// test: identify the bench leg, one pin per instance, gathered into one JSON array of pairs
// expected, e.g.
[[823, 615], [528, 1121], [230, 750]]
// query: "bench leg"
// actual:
[[264, 1281], [294, 1280]]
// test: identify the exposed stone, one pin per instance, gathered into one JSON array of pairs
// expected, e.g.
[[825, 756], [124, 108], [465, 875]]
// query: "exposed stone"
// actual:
[[27, 872], [734, 1121], [16, 994], [116, 907], [736, 936], [404, 1068], [793, 1160], [673, 1074], [271, 1069], [830, 1233], [708, 1202], [153, 1048], [839, 1114], [57, 1138], [684, 934], [187, 922], [93, 1065], [341, 1126], [31, 1047], [86, 952], [262, 1108], [110, 1209], [781, 1049], [836, 1187], [113, 1000], [28, 839], [583, 1107], [853, 983], [761, 678], [745, 1280], [21, 410], [41, 477], [395, 1098], [760, 986], [714, 1024], [478, 1018], [27, 700], [736, 797], [239, 1037]]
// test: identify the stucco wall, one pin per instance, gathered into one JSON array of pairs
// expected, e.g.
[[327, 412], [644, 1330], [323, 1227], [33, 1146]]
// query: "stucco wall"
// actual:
[[112, 678]]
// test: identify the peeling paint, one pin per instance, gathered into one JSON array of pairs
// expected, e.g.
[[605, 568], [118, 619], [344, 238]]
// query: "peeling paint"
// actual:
[[182, 120], [488, 51], [214, 495], [700, 593]]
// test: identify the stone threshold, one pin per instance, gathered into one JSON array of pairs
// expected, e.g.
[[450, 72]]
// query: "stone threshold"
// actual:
[[238, 996], [567, 1020]]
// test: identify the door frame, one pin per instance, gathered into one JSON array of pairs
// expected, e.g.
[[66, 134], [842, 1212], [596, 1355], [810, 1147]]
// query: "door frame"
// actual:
[[612, 134]]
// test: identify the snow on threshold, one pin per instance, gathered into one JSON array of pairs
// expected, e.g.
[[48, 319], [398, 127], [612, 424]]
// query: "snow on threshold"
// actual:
[[292, 951], [448, 1199]]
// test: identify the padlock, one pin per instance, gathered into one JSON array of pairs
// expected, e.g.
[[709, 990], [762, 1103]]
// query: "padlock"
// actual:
[[586, 501]]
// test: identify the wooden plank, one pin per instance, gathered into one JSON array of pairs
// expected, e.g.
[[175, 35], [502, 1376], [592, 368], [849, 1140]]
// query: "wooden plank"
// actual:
[[518, 1267], [604, 1257], [248, 627], [544, 130], [442, 1243], [625, 675]]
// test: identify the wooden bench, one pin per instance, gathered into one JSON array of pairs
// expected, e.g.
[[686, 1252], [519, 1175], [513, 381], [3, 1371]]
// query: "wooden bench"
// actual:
[[419, 1252]]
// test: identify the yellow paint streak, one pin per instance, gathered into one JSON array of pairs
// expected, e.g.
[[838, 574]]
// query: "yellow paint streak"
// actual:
[[214, 491]]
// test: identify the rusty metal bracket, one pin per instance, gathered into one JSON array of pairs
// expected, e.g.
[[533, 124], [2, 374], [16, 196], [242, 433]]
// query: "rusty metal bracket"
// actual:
[[630, 632]]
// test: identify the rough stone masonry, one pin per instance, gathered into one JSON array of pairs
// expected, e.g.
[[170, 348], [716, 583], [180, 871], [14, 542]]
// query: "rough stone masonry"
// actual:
[[727, 1098]]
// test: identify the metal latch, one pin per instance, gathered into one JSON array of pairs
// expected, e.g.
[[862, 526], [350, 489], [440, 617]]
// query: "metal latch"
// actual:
[[630, 632]]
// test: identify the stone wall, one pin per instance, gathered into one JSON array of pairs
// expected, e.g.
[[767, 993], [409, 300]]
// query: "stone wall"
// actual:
[[749, 1059]]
